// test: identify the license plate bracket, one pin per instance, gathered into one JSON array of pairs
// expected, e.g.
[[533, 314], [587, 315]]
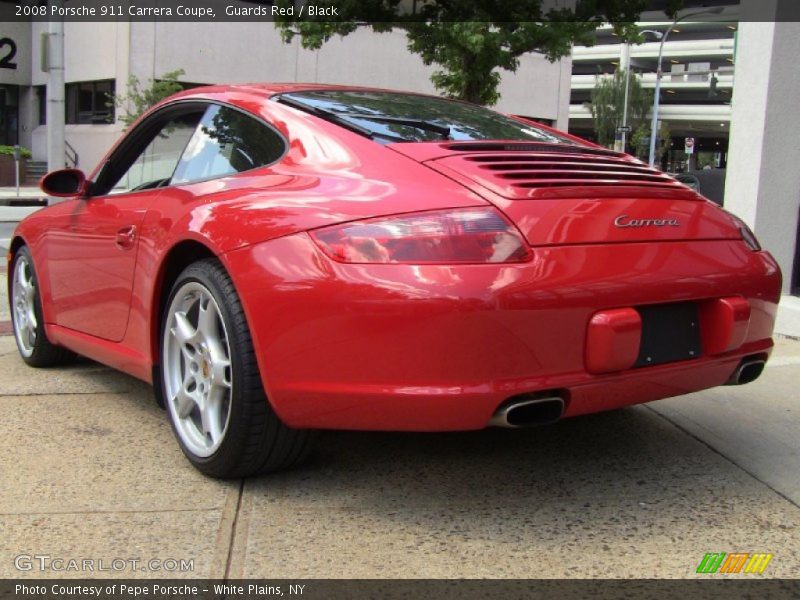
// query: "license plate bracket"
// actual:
[[670, 333]]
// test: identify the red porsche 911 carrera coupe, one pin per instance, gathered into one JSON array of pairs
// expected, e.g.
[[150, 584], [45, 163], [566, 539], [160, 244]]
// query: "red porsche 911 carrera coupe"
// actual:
[[278, 259]]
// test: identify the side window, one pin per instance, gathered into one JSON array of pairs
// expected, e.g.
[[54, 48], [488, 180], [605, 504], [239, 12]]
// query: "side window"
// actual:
[[156, 163], [227, 142]]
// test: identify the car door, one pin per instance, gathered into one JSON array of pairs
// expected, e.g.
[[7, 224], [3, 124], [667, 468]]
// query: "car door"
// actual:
[[92, 244]]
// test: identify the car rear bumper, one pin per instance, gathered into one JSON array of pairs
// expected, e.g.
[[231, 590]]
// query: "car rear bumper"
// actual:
[[435, 348]]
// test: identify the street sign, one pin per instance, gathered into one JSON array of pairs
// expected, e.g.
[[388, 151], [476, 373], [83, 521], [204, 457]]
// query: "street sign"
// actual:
[[688, 145], [624, 129], [618, 146]]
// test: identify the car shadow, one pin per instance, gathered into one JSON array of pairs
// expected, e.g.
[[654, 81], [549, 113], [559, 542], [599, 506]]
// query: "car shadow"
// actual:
[[627, 459]]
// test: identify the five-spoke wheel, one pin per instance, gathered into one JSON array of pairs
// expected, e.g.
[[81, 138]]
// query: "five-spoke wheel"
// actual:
[[197, 369]]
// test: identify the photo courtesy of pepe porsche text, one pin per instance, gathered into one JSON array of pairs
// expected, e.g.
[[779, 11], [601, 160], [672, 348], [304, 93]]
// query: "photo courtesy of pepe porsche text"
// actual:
[[145, 589]]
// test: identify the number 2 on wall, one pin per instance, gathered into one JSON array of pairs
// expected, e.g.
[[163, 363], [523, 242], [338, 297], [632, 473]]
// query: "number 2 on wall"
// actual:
[[7, 61]]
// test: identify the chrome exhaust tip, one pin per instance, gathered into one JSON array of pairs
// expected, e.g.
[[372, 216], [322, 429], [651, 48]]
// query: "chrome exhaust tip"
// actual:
[[748, 370], [528, 412]]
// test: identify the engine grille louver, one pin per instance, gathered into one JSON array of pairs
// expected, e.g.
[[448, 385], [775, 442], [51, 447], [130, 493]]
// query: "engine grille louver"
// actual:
[[527, 147], [569, 168]]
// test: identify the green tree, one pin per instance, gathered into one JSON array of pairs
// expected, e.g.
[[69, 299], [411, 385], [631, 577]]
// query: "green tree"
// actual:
[[706, 159], [470, 39], [608, 101], [136, 99], [640, 141]]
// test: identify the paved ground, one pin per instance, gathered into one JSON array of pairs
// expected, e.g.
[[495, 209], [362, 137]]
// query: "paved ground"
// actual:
[[89, 469]]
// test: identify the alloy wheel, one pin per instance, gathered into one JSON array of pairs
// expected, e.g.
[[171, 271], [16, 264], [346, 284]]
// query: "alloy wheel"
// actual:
[[197, 369], [23, 293]]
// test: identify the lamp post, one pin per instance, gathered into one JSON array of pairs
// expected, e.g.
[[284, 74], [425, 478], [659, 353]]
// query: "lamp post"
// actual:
[[665, 35], [54, 47], [626, 65]]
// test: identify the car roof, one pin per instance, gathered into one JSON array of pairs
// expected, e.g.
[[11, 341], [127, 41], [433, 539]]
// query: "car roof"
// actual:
[[264, 91], [270, 89]]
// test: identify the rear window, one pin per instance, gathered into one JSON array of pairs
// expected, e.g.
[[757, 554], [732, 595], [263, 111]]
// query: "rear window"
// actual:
[[397, 117]]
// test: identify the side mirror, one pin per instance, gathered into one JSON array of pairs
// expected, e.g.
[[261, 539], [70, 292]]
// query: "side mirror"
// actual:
[[64, 183]]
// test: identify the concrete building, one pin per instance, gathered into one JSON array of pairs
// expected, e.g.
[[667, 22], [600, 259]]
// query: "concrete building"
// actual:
[[763, 180], [100, 57], [698, 64]]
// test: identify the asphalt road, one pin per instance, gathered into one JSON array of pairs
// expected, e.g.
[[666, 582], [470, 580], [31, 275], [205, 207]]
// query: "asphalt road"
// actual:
[[89, 469]]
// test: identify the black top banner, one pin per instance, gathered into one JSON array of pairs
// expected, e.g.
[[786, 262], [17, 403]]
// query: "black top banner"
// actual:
[[370, 11]]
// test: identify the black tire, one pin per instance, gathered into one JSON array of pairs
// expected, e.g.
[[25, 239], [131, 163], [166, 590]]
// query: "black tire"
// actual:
[[43, 353], [255, 439]]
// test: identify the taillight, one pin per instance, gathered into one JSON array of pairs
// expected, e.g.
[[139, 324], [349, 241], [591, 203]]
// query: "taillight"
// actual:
[[464, 235]]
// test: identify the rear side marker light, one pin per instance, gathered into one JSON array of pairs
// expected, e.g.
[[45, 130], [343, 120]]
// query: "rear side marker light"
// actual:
[[749, 238], [747, 234], [454, 236]]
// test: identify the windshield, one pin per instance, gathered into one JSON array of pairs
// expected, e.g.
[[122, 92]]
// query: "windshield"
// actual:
[[397, 117]]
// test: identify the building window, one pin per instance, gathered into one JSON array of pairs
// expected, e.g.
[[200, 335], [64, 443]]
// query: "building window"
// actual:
[[90, 102], [9, 97], [41, 99]]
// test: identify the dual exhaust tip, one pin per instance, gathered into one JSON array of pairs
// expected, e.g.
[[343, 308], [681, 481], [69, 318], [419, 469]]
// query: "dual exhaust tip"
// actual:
[[528, 411], [748, 370]]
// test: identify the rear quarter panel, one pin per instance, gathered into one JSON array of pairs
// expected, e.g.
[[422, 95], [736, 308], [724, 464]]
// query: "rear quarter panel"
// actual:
[[327, 176]]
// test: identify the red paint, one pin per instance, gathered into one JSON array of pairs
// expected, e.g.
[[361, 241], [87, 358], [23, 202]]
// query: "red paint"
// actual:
[[612, 340], [340, 343], [724, 323], [86, 277], [403, 346]]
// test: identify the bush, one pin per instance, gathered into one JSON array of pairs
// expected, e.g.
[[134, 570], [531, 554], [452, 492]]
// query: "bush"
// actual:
[[141, 98], [9, 150]]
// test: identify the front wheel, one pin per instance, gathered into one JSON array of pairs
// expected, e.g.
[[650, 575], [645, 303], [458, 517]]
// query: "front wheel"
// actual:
[[26, 315], [211, 383]]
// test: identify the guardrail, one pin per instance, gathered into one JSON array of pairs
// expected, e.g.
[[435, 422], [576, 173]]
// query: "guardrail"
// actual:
[[71, 155]]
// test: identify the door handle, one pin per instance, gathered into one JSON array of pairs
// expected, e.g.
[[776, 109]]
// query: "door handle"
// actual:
[[126, 237]]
